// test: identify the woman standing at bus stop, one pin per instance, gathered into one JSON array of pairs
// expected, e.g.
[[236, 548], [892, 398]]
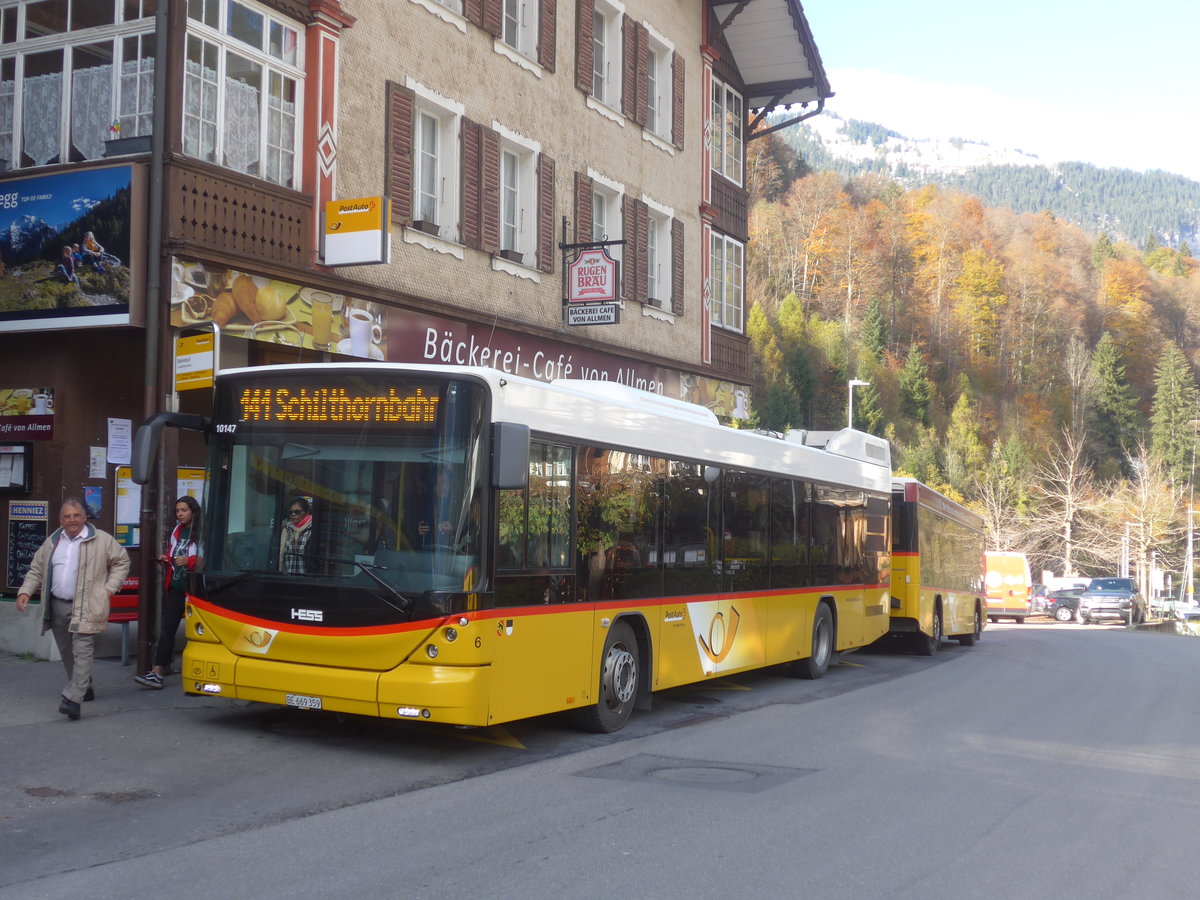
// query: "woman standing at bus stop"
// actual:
[[183, 552]]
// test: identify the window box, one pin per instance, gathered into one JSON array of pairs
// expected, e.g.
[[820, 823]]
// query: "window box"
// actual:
[[127, 146], [426, 225], [515, 256]]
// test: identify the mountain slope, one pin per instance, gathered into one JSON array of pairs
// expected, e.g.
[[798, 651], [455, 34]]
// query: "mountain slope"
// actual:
[[1128, 205]]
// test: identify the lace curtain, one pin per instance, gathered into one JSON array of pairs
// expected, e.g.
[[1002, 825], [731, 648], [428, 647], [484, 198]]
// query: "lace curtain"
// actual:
[[241, 125], [91, 109], [39, 131], [137, 97], [8, 91]]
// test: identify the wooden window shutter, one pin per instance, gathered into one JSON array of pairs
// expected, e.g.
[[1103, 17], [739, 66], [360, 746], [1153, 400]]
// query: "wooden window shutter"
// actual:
[[489, 190], [677, 105], [399, 131], [547, 33], [545, 205], [583, 208], [642, 251], [677, 267], [629, 256], [493, 17], [473, 9], [629, 82], [585, 50], [471, 183], [641, 110]]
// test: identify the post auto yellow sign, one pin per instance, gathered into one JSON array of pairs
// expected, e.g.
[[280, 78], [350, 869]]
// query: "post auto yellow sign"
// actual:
[[193, 361], [357, 232]]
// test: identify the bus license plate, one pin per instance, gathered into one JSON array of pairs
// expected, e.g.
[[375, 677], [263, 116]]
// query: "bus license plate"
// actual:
[[302, 702]]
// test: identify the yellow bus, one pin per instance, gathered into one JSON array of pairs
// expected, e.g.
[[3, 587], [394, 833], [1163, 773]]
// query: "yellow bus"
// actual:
[[937, 568], [483, 547]]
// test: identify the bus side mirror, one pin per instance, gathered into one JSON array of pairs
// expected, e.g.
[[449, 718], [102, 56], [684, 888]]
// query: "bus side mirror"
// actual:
[[145, 442], [510, 456]]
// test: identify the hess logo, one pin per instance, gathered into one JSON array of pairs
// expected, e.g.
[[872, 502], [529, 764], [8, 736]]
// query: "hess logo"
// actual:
[[308, 615]]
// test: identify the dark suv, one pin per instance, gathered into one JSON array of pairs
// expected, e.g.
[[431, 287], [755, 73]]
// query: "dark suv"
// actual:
[[1111, 599]]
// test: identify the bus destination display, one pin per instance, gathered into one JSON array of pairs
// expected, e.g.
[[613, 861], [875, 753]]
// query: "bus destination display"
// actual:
[[337, 405]]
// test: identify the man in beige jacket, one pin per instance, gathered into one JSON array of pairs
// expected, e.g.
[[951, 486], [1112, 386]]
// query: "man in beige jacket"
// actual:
[[77, 569]]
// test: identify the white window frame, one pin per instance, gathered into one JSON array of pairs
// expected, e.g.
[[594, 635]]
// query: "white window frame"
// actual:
[[285, 66], [607, 48], [14, 54], [727, 259], [519, 26], [660, 88], [659, 256], [727, 130], [518, 195], [607, 219], [446, 116]]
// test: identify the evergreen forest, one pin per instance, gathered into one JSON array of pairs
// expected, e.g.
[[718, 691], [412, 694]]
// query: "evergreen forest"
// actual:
[[1043, 374]]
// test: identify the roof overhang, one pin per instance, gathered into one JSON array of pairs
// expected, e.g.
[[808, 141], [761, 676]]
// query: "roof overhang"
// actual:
[[774, 50]]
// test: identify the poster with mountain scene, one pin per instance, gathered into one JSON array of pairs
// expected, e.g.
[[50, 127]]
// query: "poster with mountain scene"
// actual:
[[64, 247]]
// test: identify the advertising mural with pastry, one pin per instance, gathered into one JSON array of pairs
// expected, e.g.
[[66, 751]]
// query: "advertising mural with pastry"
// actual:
[[64, 249], [258, 308]]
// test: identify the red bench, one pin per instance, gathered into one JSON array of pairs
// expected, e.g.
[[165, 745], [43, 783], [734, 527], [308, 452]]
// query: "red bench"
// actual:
[[123, 609]]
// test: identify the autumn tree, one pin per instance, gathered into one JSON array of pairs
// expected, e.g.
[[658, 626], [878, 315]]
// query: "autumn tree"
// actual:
[[1113, 423], [1174, 412]]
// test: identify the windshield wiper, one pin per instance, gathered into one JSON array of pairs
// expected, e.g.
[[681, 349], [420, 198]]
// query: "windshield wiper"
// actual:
[[369, 568]]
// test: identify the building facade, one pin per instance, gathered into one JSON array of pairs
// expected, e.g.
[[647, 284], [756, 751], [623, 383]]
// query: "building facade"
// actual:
[[199, 143]]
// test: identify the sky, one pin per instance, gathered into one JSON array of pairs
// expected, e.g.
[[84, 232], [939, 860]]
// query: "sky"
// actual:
[[1113, 84]]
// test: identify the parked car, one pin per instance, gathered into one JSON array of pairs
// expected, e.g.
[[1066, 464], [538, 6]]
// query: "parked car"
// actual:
[[1037, 598], [1112, 599], [1063, 605]]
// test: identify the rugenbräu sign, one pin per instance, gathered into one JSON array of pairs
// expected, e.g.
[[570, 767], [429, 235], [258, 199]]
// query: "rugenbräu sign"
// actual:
[[592, 278]]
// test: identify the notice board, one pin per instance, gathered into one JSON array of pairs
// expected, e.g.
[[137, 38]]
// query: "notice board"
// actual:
[[28, 525]]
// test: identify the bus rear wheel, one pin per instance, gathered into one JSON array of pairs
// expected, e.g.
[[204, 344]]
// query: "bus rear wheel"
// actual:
[[968, 640], [618, 683], [818, 660], [927, 644]]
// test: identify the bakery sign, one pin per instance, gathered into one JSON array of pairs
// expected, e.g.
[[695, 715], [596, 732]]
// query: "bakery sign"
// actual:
[[592, 288]]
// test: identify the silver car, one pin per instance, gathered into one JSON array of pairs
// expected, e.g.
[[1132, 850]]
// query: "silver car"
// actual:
[[1112, 600]]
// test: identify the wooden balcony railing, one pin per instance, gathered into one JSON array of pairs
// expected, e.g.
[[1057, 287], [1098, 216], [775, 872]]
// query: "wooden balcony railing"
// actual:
[[730, 355], [233, 213], [732, 205]]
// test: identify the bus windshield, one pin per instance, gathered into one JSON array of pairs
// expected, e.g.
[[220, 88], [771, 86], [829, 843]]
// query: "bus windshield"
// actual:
[[353, 498]]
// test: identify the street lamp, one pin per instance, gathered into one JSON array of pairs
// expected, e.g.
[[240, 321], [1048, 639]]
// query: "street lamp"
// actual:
[[854, 382]]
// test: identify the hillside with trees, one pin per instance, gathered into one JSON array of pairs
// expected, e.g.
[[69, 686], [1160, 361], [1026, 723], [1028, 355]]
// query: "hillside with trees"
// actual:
[[1043, 373]]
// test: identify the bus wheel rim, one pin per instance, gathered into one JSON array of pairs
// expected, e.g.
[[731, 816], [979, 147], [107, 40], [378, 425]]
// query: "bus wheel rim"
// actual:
[[620, 676]]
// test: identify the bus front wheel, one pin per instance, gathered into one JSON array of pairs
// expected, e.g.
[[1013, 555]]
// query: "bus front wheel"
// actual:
[[618, 682], [968, 640], [818, 661]]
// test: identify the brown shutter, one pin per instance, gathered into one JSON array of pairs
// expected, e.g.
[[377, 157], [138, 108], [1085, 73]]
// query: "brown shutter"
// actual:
[[629, 84], [493, 17], [629, 265], [489, 190], [583, 208], [677, 105], [471, 180], [642, 250], [545, 205], [547, 33], [399, 130], [677, 267], [641, 110], [585, 50], [473, 9]]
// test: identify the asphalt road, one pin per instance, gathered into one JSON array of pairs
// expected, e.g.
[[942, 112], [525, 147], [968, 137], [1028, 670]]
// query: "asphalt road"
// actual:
[[1048, 761]]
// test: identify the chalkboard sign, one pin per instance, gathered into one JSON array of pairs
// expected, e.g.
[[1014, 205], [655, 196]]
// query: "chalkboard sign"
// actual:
[[24, 538]]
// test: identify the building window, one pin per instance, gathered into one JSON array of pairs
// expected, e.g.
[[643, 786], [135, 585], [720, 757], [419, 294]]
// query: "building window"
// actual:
[[518, 213], [658, 259], [728, 122], [606, 217], [242, 89], [606, 54], [73, 74], [435, 202], [660, 83], [519, 27], [725, 265]]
